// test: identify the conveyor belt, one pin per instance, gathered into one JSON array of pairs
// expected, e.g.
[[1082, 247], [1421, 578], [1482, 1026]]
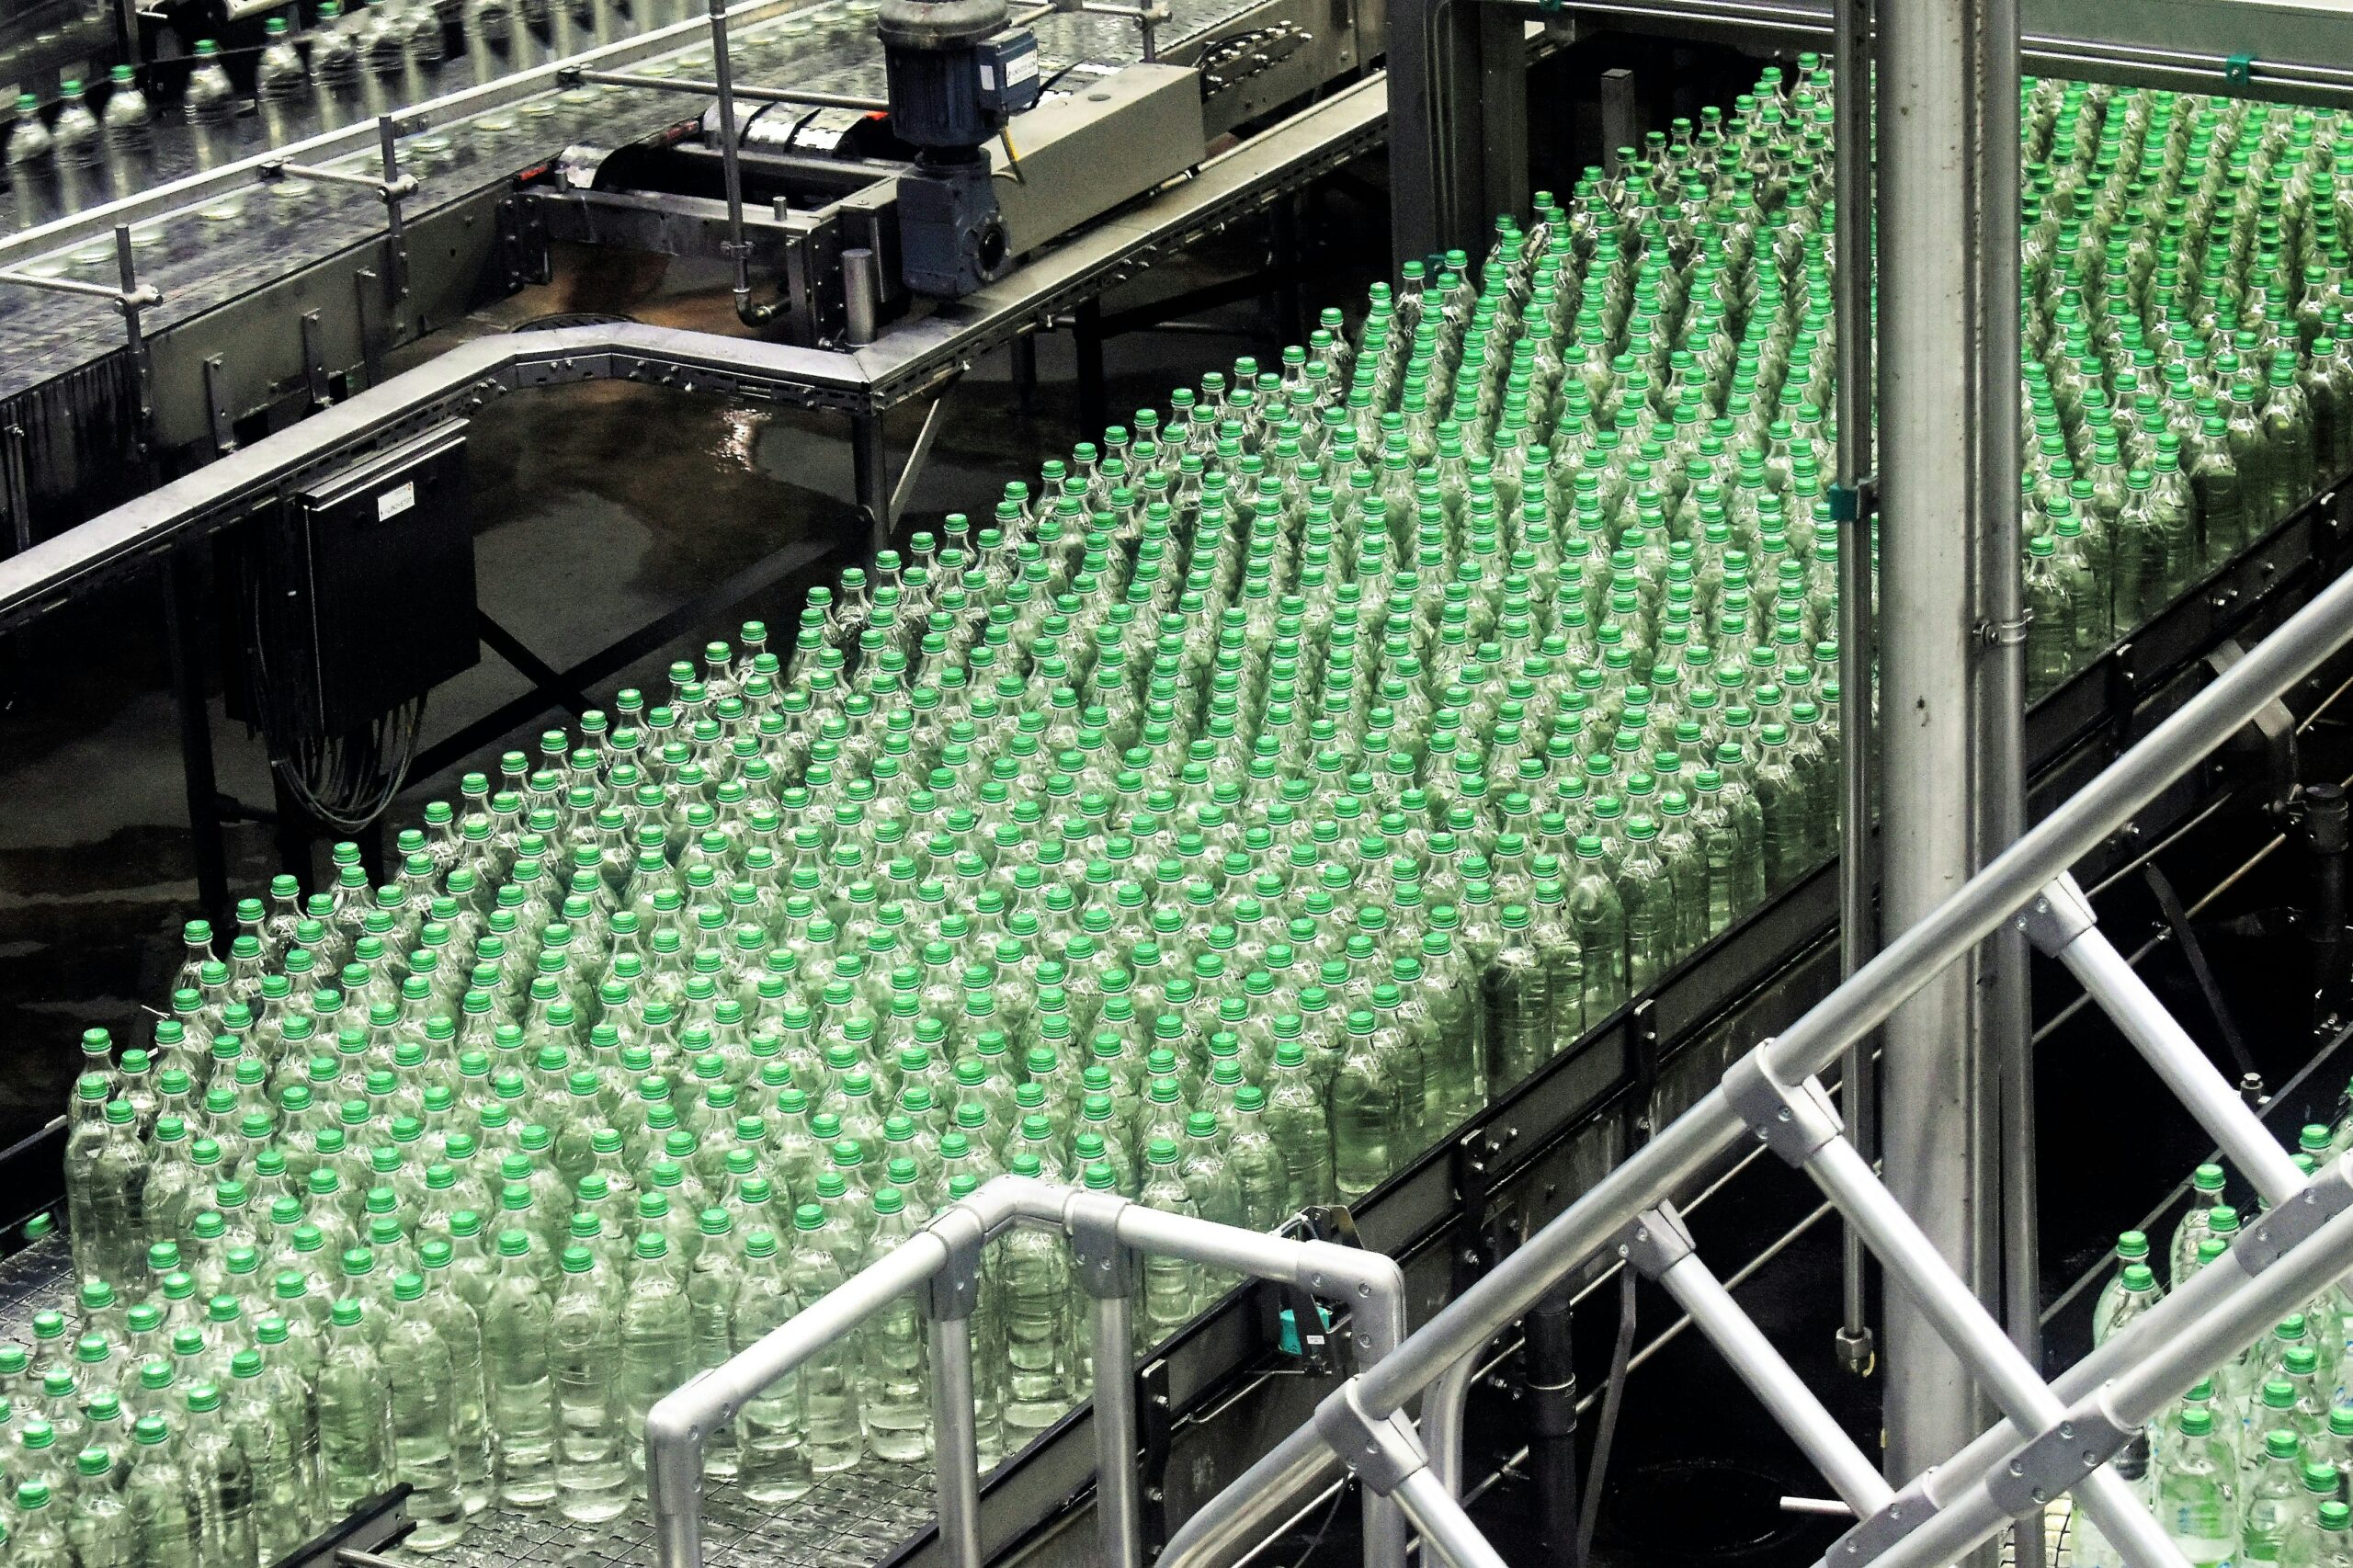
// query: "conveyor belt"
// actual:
[[219, 249]]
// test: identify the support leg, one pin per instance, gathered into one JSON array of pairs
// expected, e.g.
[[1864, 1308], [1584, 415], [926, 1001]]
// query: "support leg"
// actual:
[[185, 586], [871, 474], [1086, 338]]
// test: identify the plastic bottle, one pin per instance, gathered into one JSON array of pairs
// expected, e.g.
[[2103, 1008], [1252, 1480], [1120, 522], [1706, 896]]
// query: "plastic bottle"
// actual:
[[211, 105], [514, 1367], [830, 1431], [895, 1380], [772, 1465], [281, 85], [592, 1468], [424, 1416], [353, 1393], [220, 1480]]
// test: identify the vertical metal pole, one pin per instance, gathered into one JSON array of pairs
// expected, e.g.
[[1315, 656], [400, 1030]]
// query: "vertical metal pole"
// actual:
[[869, 461], [127, 270], [1119, 1505], [739, 249], [395, 234], [1619, 123], [1938, 1086], [1087, 342], [2007, 1001], [1858, 873], [184, 622], [956, 1463], [1500, 122]]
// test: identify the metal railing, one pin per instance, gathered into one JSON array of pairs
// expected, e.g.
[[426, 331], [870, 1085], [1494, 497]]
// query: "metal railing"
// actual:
[[2056, 1436], [941, 1265]]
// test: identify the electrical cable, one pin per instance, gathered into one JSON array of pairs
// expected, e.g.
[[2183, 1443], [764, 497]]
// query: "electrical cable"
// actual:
[[344, 781]]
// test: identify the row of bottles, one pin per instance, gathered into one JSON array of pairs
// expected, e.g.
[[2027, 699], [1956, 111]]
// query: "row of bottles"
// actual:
[[1219, 821], [349, 64]]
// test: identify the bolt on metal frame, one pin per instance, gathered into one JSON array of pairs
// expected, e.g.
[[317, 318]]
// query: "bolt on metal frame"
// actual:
[[2057, 1437], [941, 1265]]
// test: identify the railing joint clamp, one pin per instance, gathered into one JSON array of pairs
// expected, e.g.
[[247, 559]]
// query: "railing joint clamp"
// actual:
[[2058, 914], [1656, 1242], [1382, 1452], [2057, 1459], [1794, 1120], [1872, 1538], [2282, 1227], [1102, 1258]]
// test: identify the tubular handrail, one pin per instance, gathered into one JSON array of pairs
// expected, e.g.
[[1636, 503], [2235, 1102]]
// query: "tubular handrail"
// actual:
[[1776, 1079], [942, 1261]]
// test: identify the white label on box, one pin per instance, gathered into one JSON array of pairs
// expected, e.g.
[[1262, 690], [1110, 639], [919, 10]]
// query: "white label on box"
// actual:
[[396, 501], [1021, 67]]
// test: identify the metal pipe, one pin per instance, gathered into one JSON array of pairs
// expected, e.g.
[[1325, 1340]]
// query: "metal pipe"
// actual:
[[396, 230], [1119, 1503], [2000, 722], [147, 294], [1936, 1137], [1445, 1528], [2194, 1080], [1917, 1265], [731, 161], [1237, 1517], [1442, 1405], [861, 295], [1784, 1395], [957, 1459], [1858, 874]]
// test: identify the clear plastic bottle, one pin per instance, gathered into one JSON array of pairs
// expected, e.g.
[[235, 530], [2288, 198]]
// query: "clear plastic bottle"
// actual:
[[514, 1367], [354, 1414], [424, 1414], [459, 1327], [39, 1534], [2275, 1524], [772, 1464], [220, 1479], [2196, 1495], [1171, 1296], [1367, 1135], [592, 1468], [2121, 1298], [158, 1495], [75, 146], [831, 1433], [274, 1417], [2206, 1185], [32, 186], [895, 1380], [212, 106], [281, 85], [98, 1524], [656, 1331], [1520, 1003]]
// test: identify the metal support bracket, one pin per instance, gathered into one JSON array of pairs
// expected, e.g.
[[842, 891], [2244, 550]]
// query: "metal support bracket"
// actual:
[[315, 362], [2002, 633], [1873, 1537], [954, 1290], [2265, 1241], [2058, 914], [1794, 1121], [216, 406], [1656, 1242], [1850, 502], [1102, 1258], [2056, 1459], [1479, 1248], [1382, 1452]]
